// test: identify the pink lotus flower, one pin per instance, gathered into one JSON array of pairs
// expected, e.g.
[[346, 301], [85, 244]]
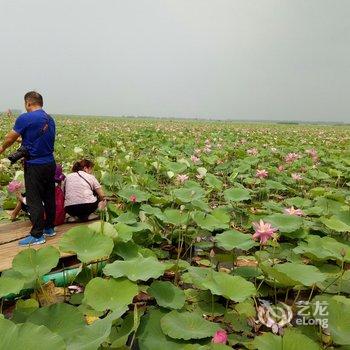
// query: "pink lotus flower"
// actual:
[[133, 198], [296, 177], [207, 149], [280, 168], [291, 157], [263, 231], [181, 178], [195, 159], [261, 173], [14, 186], [312, 152], [220, 337], [252, 152], [293, 211]]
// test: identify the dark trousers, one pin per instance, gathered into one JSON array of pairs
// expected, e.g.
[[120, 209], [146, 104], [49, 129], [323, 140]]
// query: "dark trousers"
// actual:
[[40, 193], [82, 211]]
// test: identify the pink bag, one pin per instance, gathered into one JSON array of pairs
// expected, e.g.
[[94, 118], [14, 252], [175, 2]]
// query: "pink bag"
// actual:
[[60, 212]]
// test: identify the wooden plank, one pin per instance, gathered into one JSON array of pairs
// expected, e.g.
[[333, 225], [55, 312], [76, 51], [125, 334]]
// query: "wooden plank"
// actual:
[[9, 250], [14, 231]]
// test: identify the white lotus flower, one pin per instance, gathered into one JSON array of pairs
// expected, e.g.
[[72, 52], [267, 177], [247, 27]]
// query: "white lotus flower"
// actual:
[[78, 150]]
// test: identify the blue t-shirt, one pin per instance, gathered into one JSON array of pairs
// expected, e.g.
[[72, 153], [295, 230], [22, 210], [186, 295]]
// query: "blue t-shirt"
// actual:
[[31, 126]]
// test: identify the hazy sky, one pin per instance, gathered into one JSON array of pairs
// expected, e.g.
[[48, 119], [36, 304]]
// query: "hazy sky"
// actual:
[[239, 59]]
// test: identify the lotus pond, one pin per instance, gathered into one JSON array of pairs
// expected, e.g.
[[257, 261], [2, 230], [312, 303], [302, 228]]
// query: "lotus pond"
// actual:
[[217, 235]]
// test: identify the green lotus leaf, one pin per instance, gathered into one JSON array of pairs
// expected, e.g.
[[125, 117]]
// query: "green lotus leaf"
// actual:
[[317, 192], [299, 202], [207, 308], [175, 217], [212, 181], [208, 222], [150, 335], [246, 308], [153, 211], [176, 168], [285, 223], [23, 309], [306, 275], [334, 284], [186, 195], [104, 228], [313, 211], [119, 335], [187, 325], [109, 294], [235, 288], [237, 194], [167, 295], [127, 218], [219, 283], [196, 276], [329, 206], [25, 304], [28, 336], [275, 185], [86, 243], [133, 194], [275, 276], [344, 216], [339, 222], [291, 340], [127, 250], [92, 336], [136, 269], [222, 214], [10, 285], [323, 248], [267, 341], [232, 239], [201, 205], [124, 232], [243, 167], [248, 272], [338, 309], [33, 264], [273, 206], [62, 319], [112, 180]]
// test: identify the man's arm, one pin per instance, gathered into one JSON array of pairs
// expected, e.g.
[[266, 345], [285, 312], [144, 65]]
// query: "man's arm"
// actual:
[[10, 139]]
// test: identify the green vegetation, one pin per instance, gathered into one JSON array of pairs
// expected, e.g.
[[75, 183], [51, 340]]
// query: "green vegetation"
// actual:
[[211, 227]]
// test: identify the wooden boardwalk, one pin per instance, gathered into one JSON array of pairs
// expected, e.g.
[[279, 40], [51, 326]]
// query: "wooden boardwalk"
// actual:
[[11, 233]]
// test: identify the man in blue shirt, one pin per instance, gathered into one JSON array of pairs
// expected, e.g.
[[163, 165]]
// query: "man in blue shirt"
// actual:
[[37, 130]]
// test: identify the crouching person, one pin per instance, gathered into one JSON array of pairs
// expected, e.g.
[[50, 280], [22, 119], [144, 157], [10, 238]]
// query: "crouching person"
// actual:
[[83, 193]]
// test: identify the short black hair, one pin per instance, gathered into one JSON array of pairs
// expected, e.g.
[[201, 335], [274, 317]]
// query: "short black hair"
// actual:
[[34, 98]]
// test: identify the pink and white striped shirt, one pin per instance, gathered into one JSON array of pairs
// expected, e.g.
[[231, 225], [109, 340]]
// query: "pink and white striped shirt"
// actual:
[[78, 191]]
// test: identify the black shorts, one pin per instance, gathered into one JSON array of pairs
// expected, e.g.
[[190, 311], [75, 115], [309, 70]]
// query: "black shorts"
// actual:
[[82, 211]]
